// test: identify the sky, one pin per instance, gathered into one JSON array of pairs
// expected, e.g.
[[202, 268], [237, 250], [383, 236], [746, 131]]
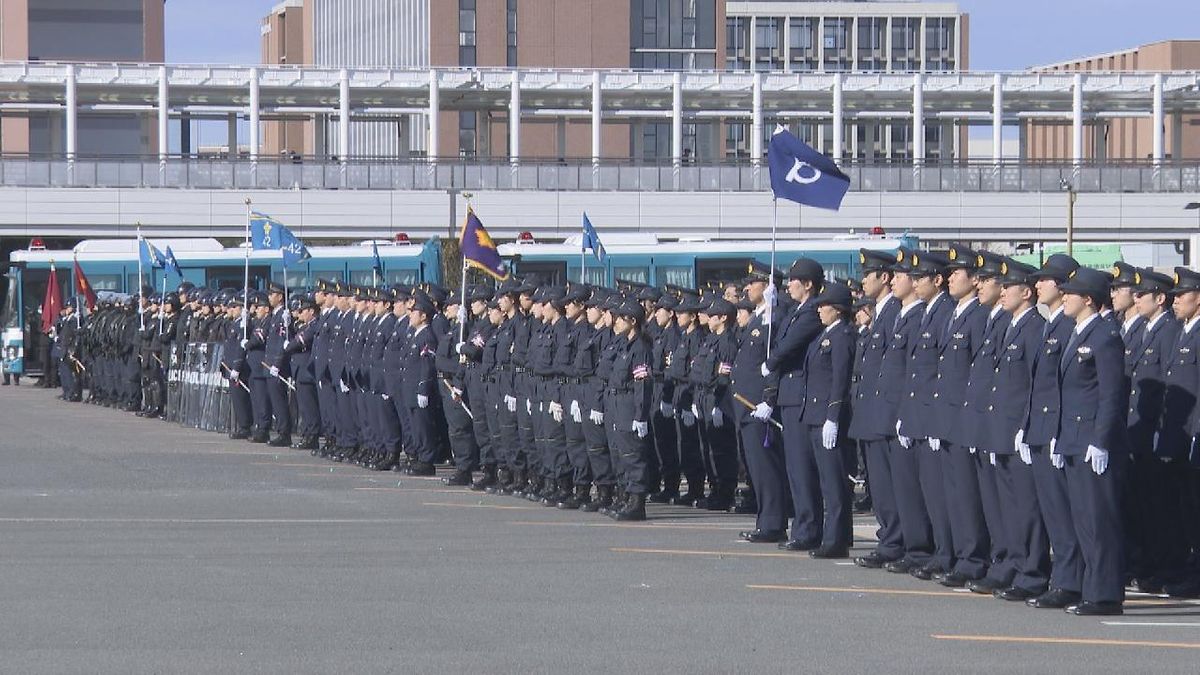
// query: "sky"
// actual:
[[1004, 34]]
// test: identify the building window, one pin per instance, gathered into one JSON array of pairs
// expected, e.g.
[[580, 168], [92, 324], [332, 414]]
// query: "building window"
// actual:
[[939, 43], [736, 144], [906, 42], [466, 32], [467, 127], [768, 44], [872, 43], [673, 34], [803, 44], [737, 43], [837, 44], [512, 33]]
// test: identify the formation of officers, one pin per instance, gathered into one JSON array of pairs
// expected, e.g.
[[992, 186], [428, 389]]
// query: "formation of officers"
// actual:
[[1027, 433]]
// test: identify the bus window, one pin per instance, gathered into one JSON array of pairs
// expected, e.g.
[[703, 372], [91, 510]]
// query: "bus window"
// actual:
[[549, 272], [639, 275], [105, 282], [295, 278], [676, 276], [406, 277], [596, 275], [721, 269], [234, 276], [837, 270]]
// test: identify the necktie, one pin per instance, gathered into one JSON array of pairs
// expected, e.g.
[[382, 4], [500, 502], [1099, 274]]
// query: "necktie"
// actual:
[[1008, 333], [1068, 353], [1046, 330]]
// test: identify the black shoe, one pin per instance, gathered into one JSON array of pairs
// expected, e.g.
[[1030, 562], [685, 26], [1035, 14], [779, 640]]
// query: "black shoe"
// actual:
[[795, 545], [664, 497], [871, 561], [280, 441], [260, 438], [863, 505], [925, 572], [239, 435], [486, 480], [307, 443], [1055, 598], [1096, 609], [580, 496], [985, 586], [1151, 585], [762, 536], [635, 509], [717, 502], [458, 479], [688, 499], [744, 501], [1189, 588], [901, 566], [602, 501], [824, 553], [953, 580], [1015, 594], [421, 469]]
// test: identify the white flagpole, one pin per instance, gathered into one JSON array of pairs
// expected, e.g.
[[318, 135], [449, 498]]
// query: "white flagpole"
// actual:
[[462, 293], [246, 281], [771, 280], [141, 279], [583, 255]]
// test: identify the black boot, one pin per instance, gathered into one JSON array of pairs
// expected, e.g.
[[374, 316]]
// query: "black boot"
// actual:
[[634, 509], [581, 496], [602, 501], [386, 463], [744, 501], [281, 441], [720, 498], [421, 469], [260, 437], [665, 496], [486, 480], [694, 494], [504, 481], [459, 478]]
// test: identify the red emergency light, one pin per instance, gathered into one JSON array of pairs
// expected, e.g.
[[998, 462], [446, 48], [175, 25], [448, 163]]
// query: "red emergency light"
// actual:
[[402, 238], [525, 238]]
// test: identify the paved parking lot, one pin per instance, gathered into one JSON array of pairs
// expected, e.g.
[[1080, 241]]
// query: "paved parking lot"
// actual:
[[136, 546]]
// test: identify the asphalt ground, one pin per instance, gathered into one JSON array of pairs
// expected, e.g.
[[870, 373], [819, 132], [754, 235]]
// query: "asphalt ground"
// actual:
[[138, 546]]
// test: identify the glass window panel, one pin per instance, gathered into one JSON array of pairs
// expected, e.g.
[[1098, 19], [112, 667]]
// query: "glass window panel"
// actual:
[[676, 275], [639, 275], [466, 21]]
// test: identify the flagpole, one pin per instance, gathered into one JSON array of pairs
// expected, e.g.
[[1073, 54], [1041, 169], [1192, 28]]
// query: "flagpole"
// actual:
[[246, 280], [583, 255], [141, 280], [462, 291], [771, 279]]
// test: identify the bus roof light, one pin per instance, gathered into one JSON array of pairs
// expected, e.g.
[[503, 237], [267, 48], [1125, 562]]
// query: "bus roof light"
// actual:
[[37, 244], [877, 231], [525, 238], [402, 238]]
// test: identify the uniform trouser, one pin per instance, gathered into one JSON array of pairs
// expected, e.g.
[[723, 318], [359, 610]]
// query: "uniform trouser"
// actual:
[[577, 453], [1137, 517], [804, 482], [1158, 487], [523, 391], [968, 525], [280, 408], [666, 446], [510, 436], [1028, 546], [914, 518], [243, 410], [1066, 570], [1001, 569], [825, 471], [890, 544], [477, 399], [347, 424], [69, 379], [720, 451], [370, 436], [554, 439], [631, 451], [387, 420], [495, 401], [691, 463], [600, 462], [260, 402], [421, 424], [1096, 512], [327, 398], [929, 470], [463, 449], [765, 466]]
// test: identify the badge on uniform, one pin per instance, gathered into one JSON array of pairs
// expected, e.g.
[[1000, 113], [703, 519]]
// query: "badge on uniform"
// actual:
[[825, 342], [926, 335], [959, 336], [724, 368], [641, 371], [1085, 351], [755, 333]]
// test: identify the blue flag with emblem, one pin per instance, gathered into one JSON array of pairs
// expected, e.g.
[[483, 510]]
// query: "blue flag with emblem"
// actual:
[[150, 255], [267, 234], [294, 250], [802, 175], [592, 240], [171, 264], [478, 249], [378, 264]]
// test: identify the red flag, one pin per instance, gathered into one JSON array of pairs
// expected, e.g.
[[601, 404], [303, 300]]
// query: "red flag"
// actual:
[[84, 287], [52, 304]]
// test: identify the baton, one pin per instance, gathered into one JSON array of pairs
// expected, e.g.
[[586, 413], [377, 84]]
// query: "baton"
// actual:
[[280, 377], [239, 380], [746, 402], [77, 362], [457, 398]]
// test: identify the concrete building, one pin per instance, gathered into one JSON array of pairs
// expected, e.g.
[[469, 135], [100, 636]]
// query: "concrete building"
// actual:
[[1109, 136], [80, 30], [670, 35]]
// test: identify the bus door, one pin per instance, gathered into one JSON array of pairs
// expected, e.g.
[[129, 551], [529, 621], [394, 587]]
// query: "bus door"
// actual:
[[720, 269], [233, 276], [33, 293]]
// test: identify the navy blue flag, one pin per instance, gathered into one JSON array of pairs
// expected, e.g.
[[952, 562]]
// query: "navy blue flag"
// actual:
[[294, 250], [378, 264], [592, 240], [803, 175], [170, 264], [479, 250]]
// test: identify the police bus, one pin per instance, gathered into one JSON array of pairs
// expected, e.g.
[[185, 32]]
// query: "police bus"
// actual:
[[646, 259], [112, 265]]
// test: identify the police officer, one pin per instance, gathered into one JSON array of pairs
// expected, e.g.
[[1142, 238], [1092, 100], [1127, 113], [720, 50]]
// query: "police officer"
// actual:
[[277, 329], [299, 349], [418, 385], [711, 373], [255, 350], [1176, 442], [628, 390], [234, 366]]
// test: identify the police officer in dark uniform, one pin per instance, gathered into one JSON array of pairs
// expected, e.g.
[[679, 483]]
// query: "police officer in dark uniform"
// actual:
[[1176, 442], [255, 350], [233, 359], [712, 369], [418, 382], [628, 390], [687, 433], [277, 329], [299, 348], [463, 449]]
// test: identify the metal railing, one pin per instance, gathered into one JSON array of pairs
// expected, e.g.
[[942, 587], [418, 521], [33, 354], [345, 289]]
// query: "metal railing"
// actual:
[[221, 173]]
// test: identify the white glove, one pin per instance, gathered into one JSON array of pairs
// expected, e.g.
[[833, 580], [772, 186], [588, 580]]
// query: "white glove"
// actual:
[[234, 375], [718, 417], [528, 407], [596, 417], [992, 458], [459, 347], [243, 342], [1154, 445], [343, 387], [829, 432], [274, 371], [455, 392], [935, 444], [461, 315], [556, 411], [286, 343], [641, 429], [905, 441], [422, 401], [765, 370], [510, 402], [762, 412], [666, 409], [576, 412], [1098, 459], [1056, 460], [972, 450], [695, 411], [1022, 447], [386, 397], [688, 418]]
